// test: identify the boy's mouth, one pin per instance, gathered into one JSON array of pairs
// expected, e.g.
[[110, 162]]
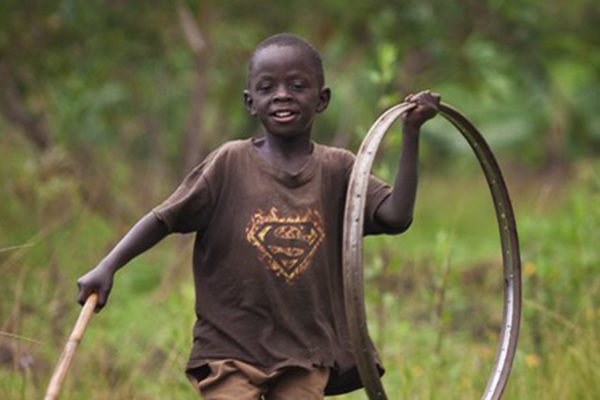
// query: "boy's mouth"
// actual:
[[283, 116]]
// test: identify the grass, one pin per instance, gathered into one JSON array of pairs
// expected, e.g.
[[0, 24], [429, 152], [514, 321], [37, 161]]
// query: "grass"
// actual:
[[434, 295]]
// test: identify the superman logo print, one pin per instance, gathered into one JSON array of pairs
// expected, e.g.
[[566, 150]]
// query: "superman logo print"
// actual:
[[286, 244]]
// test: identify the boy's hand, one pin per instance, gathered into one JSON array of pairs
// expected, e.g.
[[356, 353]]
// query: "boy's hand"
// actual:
[[427, 107], [98, 280]]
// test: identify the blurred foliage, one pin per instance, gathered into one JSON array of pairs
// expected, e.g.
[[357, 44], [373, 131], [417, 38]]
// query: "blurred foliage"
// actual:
[[101, 71], [111, 85]]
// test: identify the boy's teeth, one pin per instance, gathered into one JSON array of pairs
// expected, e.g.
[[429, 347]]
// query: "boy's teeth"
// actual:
[[283, 113]]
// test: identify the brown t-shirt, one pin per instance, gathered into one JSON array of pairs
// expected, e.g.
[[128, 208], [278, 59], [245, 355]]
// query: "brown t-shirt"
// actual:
[[268, 259]]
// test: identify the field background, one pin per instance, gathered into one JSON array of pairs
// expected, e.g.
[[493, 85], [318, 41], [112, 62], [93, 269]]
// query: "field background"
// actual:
[[104, 105]]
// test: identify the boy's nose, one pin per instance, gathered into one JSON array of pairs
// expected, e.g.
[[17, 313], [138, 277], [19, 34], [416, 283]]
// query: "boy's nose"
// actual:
[[281, 94]]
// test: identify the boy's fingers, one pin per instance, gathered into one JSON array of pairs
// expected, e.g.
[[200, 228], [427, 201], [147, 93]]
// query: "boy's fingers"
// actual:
[[83, 294], [428, 101], [409, 110], [81, 298]]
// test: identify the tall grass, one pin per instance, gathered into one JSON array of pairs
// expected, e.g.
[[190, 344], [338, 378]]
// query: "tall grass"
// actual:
[[434, 295]]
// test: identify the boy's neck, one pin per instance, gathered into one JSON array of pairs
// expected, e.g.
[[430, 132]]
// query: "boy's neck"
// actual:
[[289, 154]]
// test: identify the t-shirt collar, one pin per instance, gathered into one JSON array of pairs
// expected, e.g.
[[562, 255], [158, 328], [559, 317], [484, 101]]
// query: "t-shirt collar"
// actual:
[[303, 175]]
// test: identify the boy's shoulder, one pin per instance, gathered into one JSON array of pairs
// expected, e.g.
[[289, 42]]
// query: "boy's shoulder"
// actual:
[[227, 149], [334, 154], [232, 146], [219, 157]]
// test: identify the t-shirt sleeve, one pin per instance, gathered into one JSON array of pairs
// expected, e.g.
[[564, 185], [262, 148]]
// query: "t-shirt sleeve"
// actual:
[[190, 206], [377, 192]]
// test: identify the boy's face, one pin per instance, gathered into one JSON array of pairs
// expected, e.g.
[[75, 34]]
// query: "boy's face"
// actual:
[[284, 91]]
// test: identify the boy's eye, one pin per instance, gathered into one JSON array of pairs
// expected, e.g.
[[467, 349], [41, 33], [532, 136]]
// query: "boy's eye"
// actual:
[[263, 87], [298, 85]]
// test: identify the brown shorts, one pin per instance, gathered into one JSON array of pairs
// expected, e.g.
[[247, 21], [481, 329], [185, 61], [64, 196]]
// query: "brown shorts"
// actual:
[[236, 380]]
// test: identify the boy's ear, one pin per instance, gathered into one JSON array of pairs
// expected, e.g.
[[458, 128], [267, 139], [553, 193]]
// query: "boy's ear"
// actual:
[[249, 103], [324, 97]]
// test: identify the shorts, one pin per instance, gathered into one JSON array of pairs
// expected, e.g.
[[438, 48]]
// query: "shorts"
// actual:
[[236, 380]]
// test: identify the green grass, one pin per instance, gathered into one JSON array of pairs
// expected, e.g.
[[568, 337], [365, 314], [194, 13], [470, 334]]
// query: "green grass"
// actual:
[[434, 295]]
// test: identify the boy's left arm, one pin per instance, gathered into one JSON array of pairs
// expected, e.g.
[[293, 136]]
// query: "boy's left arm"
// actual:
[[396, 211]]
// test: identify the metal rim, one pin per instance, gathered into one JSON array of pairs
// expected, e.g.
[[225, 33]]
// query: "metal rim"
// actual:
[[353, 254]]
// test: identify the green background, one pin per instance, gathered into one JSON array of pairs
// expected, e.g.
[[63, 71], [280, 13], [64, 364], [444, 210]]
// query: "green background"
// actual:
[[104, 105]]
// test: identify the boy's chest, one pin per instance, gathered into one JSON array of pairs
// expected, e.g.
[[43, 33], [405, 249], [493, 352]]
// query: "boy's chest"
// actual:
[[266, 207], [255, 194], [283, 227]]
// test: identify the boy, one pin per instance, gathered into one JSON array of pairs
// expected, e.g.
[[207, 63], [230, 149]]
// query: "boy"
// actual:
[[268, 213]]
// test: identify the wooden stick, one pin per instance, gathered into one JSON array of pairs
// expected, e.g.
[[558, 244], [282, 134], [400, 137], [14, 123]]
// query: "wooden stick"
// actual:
[[69, 351]]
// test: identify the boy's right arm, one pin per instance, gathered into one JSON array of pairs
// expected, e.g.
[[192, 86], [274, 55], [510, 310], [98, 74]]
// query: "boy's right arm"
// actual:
[[148, 231]]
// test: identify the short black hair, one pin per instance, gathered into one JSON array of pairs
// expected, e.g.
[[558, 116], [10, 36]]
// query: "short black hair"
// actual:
[[288, 39]]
